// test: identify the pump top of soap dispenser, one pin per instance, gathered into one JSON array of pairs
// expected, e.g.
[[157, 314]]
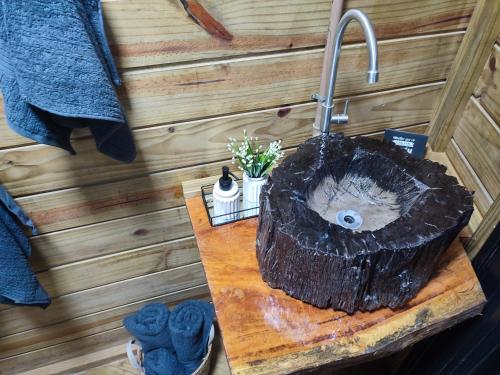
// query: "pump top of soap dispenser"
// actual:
[[225, 182]]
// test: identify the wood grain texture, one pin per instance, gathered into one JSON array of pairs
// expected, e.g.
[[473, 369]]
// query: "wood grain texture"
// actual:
[[159, 32], [482, 198], [487, 91], [74, 354], [83, 205], [101, 216], [299, 336], [192, 188], [122, 366], [444, 159], [168, 94], [58, 248], [102, 298], [484, 27], [171, 94], [478, 137], [483, 232], [87, 325], [125, 265], [40, 168]]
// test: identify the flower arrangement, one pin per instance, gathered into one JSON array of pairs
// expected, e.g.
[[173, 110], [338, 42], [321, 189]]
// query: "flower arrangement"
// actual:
[[251, 156]]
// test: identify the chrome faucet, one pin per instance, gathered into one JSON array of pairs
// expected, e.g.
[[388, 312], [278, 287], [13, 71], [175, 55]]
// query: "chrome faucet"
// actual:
[[372, 75]]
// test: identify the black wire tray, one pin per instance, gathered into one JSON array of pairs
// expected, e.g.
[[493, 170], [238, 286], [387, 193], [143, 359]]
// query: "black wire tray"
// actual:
[[215, 221]]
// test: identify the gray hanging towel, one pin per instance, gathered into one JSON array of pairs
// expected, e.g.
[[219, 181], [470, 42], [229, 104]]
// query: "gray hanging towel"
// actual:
[[18, 283], [57, 74]]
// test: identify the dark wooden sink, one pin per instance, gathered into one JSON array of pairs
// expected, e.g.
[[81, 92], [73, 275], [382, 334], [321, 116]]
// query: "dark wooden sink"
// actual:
[[356, 224]]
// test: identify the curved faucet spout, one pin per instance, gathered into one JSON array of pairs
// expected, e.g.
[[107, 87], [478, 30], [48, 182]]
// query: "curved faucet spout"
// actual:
[[372, 74]]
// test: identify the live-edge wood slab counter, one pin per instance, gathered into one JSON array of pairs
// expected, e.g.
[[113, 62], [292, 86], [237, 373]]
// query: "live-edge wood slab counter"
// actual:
[[267, 332]]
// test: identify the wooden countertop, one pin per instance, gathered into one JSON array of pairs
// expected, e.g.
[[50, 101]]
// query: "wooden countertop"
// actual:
[[267, 332]]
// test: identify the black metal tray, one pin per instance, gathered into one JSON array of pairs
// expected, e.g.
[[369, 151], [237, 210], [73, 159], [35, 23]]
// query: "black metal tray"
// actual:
[[215, 221]]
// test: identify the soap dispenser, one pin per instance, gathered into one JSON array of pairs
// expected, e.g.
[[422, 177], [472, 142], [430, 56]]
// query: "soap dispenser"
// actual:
[[226, 197]]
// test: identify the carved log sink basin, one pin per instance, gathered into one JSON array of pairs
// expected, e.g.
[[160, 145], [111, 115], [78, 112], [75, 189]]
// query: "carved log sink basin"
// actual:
[[356, 224]]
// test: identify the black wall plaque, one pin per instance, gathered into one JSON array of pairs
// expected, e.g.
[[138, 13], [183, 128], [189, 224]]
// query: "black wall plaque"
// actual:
[[412, 143]]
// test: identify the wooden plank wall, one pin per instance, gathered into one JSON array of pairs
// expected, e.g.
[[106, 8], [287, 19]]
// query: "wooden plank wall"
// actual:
[[474, 149], [115, 236]]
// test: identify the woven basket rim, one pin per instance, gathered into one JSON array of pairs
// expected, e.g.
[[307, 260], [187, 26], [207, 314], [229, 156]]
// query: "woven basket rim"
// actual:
[[201, 370]]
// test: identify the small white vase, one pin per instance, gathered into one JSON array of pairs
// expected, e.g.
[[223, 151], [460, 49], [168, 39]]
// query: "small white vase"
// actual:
[[251, 194]]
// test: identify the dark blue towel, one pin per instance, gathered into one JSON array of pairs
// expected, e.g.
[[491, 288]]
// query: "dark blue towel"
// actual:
[[57, 74], [150, 326], [190, 324], [18, 283], [162, 362]]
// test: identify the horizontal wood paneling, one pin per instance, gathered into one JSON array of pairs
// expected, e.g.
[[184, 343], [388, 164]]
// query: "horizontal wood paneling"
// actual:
[[444, 159], [117, 267], [159, 31], [484, 231], [87, 325], [487, 91], [102, 298], [115, 236], [109, 237], [85, 205], [87, 350], [482, 198], [174, 94], [171, 94], [37, 168], [478, 137]]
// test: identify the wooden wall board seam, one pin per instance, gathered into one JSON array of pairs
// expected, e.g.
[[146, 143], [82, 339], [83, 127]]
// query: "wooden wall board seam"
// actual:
[[192, 122], [24, 342], [485, 113], [161, 149], [73, 277], [478, 137], [52, 335], [487, 90], [226, 81], [112, 309], [338, 100], [285, 54], [44, 243], [88, 226], [156, 98], [113, 255], [90, 261], [141, 36], [111, 236], [104, 297], [18, 364], [469, 176], [465, 71], [490, 221]]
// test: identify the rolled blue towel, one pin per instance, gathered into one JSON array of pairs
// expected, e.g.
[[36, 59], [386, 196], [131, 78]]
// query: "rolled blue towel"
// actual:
[[150, 326], [190, 324], [57, 74], [18, 283], [162, 362]]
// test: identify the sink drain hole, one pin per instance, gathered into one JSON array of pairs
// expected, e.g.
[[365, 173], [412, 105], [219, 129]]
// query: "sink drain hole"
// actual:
[[349, 219]]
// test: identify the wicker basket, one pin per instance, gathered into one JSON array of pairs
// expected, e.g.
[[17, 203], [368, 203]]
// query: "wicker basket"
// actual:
[[136, 356]]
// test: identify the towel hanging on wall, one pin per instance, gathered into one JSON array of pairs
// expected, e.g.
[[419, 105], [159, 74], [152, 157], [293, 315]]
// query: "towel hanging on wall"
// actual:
[[18, 283], [57, 74]]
